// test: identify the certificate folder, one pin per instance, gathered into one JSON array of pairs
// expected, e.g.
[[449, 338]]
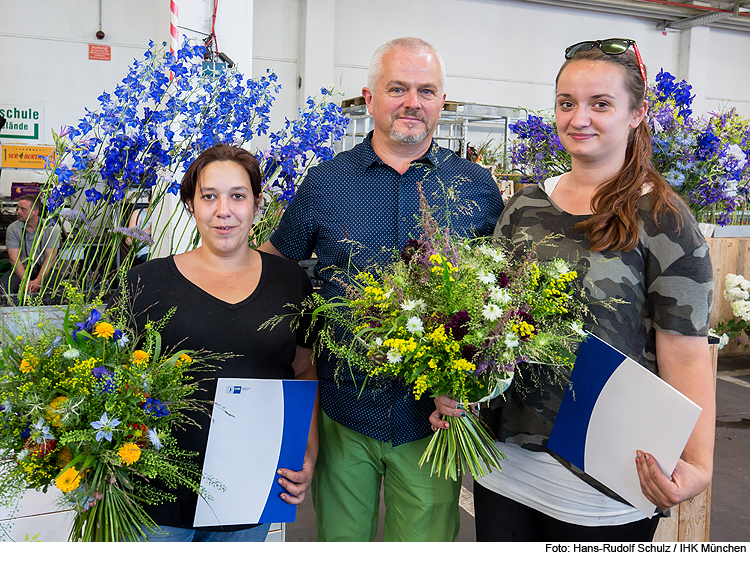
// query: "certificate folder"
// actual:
[[257, 426], [613, 408]]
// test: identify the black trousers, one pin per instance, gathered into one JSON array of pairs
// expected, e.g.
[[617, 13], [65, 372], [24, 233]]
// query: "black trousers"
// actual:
[[499, 519], [10, 282]]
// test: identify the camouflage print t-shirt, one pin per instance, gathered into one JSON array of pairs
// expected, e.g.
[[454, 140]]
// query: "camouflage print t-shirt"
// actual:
[[666, 282]]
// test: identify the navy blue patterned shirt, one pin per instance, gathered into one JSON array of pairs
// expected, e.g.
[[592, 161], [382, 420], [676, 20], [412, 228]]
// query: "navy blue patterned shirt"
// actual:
[[355, 212]]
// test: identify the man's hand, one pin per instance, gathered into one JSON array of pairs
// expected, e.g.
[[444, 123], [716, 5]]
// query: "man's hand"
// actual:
[[34, 285]]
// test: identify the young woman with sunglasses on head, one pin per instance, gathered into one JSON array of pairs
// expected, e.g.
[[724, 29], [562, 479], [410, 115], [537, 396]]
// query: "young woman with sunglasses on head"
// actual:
[[633, 241]]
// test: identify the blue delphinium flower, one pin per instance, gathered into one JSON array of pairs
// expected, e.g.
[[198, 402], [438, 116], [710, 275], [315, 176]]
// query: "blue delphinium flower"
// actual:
[[105, 376], [104, 427], [88, 324], [155, 408], [667, 88], [537, 152]]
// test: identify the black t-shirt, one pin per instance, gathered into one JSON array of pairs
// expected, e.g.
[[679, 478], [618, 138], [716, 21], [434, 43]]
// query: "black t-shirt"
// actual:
[[203, 322]]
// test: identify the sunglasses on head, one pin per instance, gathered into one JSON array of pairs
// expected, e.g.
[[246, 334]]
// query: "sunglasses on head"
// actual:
[[612, 46]]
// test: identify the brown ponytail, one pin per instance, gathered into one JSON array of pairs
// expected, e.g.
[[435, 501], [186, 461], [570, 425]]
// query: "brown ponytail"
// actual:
[[614, 224]]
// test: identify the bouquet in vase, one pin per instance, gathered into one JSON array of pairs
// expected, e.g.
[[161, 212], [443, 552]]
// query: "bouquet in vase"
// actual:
[[455, 317], [83, 410]]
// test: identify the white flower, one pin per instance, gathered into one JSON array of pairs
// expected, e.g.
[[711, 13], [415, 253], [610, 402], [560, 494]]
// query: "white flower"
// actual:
[[494, 254], [723, 340], [500, 296], [123, 340], [736, 294], [71, 354], [486, 277], [577, 328], [558, 267], [378, 341], [414, 325], [154, 437], [165, 175], [741, 309], [737, 152], [409, 305], [388, 293], [736, 288], [657, 127], [511, 340], [492, 312], [394, 356]]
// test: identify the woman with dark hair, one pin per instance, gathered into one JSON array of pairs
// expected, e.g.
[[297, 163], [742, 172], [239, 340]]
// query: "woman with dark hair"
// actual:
[[634, 242], [223, 291]]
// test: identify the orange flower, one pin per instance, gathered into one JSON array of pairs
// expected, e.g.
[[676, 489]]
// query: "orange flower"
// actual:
[[28, 365], [129, 453], [104, 330], [183, 359], [140, 357], [68, 480], [52, 413]]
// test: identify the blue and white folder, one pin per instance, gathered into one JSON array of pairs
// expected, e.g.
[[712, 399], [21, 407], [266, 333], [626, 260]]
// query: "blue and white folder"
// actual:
[[616, 407], [257, 426]]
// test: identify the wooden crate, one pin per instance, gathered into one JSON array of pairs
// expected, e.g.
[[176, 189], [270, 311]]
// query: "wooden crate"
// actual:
[[690, 521], [728, 255]]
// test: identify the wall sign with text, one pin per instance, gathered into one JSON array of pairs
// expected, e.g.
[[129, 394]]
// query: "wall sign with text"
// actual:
[[22, 122], [100, 52], [25, 156]]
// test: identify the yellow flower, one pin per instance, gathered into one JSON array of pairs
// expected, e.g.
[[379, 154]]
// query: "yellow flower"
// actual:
[[104, 330], [140, 357], [53, 415], [129, 453], [68, 480]]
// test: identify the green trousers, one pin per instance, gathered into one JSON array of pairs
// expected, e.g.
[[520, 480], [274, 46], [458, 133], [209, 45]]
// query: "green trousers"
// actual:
[[346, 490]]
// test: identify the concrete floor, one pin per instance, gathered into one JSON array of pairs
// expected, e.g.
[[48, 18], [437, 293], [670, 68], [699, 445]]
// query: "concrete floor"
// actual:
[[730, 507]]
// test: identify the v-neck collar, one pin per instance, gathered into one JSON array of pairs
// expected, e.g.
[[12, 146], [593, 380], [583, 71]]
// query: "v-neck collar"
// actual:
[[231, 306]]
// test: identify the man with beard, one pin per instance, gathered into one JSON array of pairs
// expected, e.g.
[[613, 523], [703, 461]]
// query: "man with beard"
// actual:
[[354, 212]]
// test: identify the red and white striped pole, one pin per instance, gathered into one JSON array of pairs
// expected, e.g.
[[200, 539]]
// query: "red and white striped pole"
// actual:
[[174, 38]]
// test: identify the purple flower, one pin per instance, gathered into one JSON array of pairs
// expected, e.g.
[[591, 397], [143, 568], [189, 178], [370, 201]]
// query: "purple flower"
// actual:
[[502, 280], [411, 249], [458, 325], [101, 372], [526, 317], [468, 351], [135, 234]]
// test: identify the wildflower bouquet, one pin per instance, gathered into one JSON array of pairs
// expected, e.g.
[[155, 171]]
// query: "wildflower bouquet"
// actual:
[[81, 410], [454, 318]]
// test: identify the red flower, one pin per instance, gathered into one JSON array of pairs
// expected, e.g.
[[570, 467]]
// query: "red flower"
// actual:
[[40, 449], [140, 437]]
